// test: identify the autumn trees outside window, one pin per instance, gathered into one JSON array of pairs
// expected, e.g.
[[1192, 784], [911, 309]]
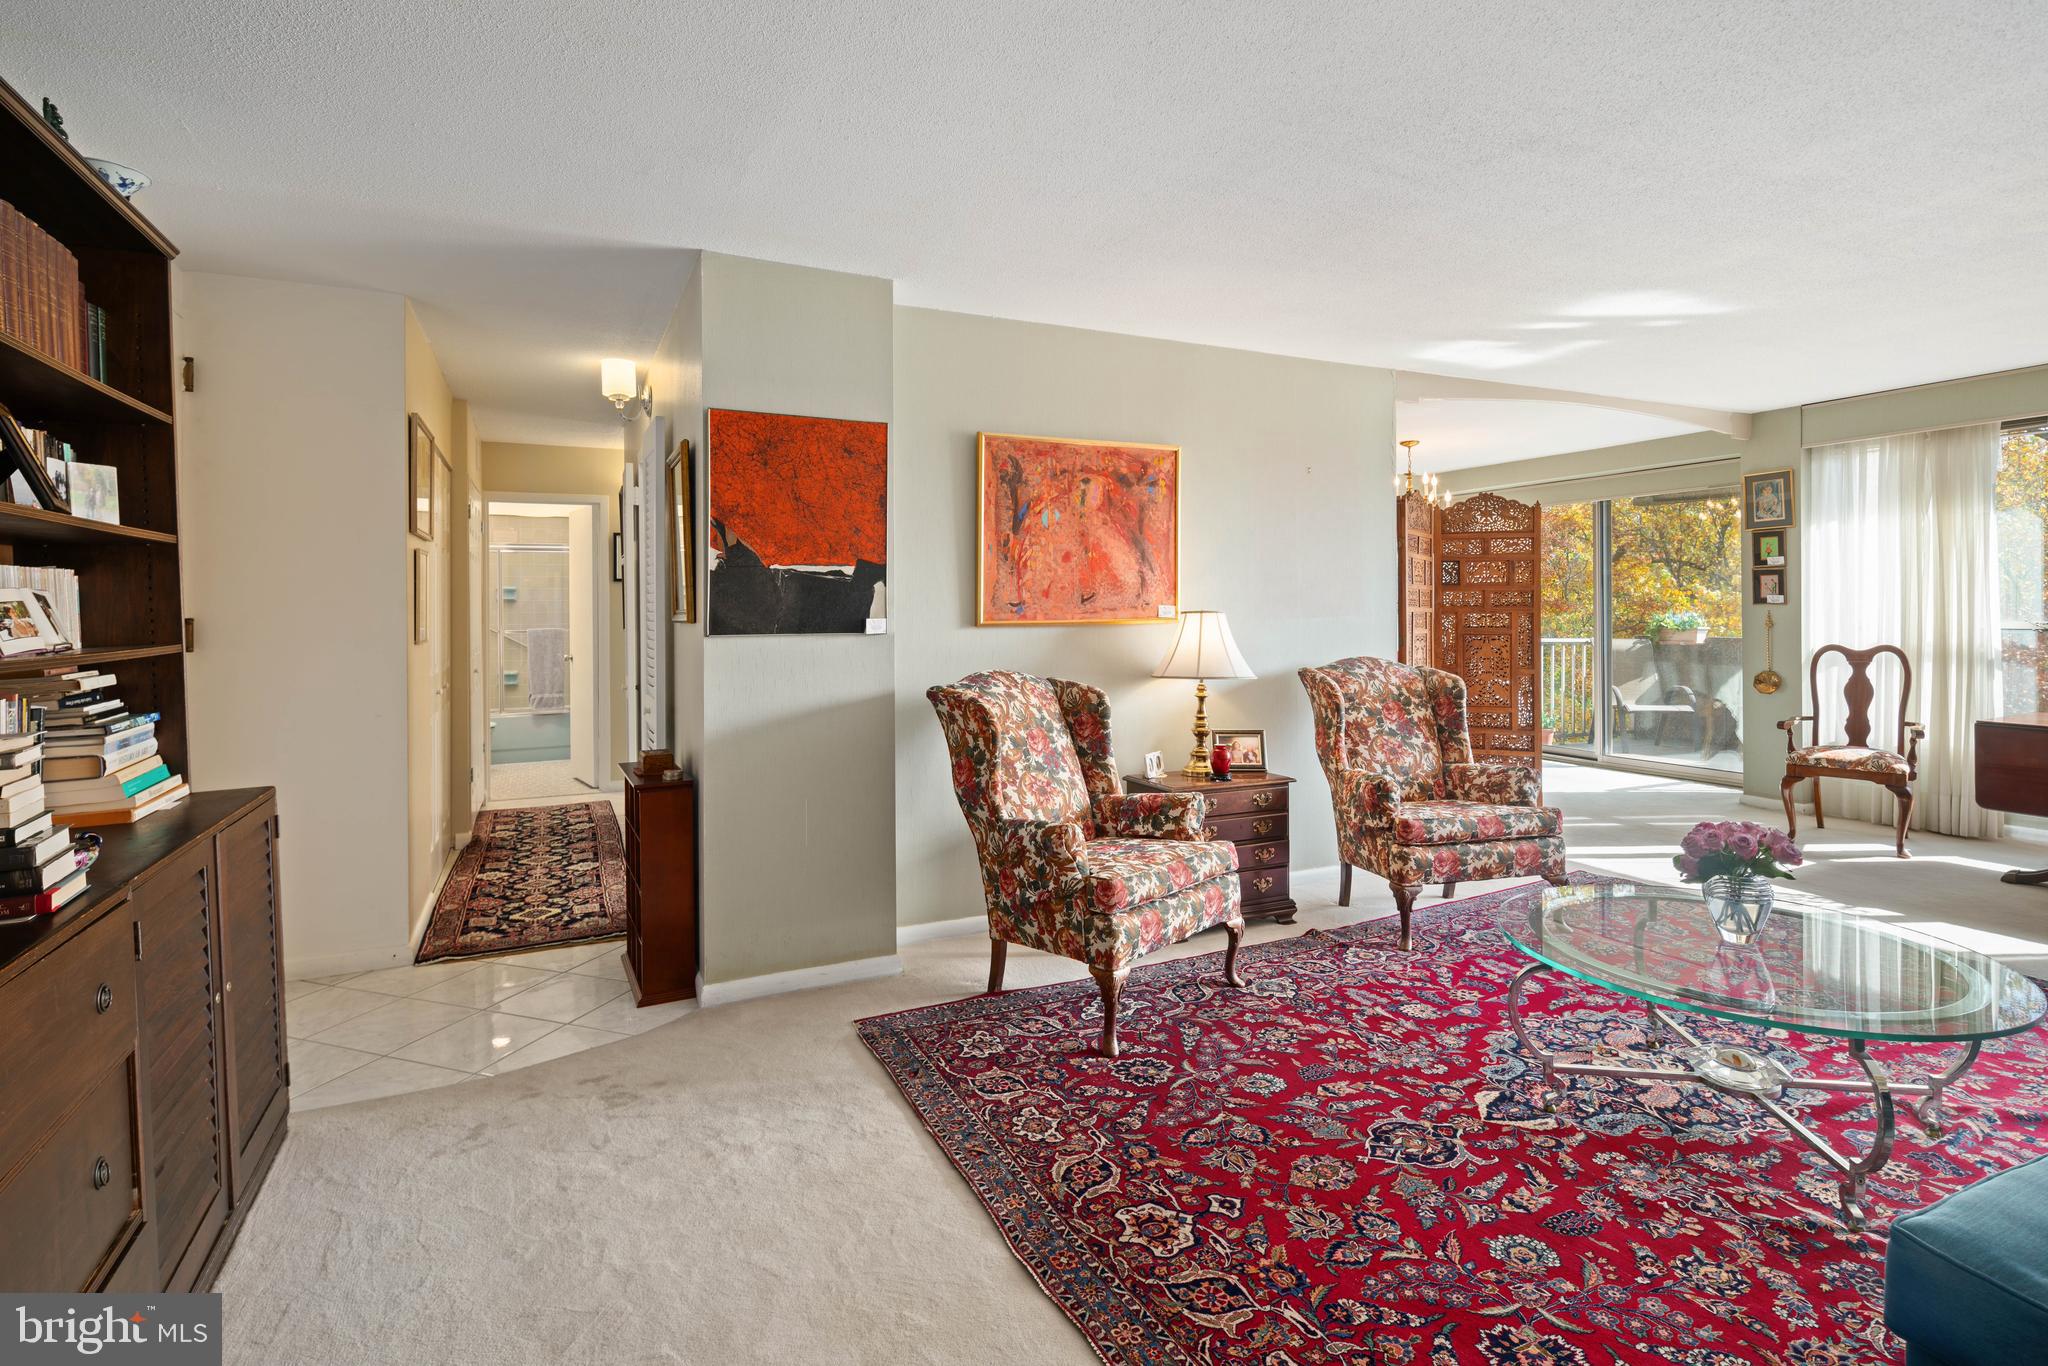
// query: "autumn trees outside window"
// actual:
[[2023, 567], [1642, 620]]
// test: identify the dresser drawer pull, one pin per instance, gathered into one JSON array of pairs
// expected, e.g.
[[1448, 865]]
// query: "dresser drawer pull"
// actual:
[[1266, 855], [1208, 832], [103, 999], [1262, 799], [101, 1174], [1263, 826], [1263, 884]]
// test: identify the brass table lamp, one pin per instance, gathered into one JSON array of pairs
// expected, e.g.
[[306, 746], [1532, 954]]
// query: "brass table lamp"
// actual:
[[1202, 651]]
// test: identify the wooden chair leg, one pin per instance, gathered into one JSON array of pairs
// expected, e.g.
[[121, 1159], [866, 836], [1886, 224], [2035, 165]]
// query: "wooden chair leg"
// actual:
[[1344, 885], [1112, 984], [1404, 901], [1791, 812], [1904, 793], [1820, 820], [998, 950], [1450, 888], [1236, 933]]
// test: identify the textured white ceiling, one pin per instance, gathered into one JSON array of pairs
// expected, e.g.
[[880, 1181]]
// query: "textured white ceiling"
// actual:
[[1732, 205]]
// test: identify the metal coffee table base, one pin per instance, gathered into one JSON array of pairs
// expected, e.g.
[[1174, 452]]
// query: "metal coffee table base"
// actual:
[[1733, 1072]]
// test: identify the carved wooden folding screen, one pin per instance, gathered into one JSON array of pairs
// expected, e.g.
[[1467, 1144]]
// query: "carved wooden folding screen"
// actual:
[[1415, 530], [1488, 619]]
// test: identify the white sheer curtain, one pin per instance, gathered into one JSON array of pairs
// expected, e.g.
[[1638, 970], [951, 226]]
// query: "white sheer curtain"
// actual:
[[1901, 548]]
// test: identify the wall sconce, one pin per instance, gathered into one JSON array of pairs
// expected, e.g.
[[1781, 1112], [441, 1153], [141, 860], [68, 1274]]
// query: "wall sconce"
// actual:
[[618, 380]]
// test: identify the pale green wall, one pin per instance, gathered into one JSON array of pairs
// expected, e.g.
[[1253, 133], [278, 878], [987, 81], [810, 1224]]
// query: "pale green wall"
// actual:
[[1286, 525]]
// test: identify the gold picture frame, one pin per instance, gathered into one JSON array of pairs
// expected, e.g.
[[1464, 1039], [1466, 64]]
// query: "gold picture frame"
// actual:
[[1162, 612], [419, 477], [419, 597], [680, 500]]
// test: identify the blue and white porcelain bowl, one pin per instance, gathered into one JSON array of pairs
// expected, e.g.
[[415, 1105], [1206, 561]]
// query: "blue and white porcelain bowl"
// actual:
[[124, 180]]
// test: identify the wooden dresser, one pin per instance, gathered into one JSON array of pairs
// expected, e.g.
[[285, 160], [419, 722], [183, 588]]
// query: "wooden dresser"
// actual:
[[661, 887], [2012, 773], [143, 1079], [1250, 811]]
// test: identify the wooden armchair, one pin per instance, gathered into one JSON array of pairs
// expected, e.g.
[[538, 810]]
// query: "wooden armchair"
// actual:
[[1070, 862], [1854, 758]]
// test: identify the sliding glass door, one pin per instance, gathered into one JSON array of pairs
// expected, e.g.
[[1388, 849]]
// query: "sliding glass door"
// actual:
[[1642, 621]]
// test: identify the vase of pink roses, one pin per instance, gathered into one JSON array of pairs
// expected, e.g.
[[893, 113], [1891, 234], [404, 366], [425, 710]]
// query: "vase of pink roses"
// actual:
[[1735, 861]]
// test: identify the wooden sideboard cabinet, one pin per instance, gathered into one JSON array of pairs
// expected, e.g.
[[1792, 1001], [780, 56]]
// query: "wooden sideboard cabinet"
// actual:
[[661, 887], [143, 1081], [1250, 810]]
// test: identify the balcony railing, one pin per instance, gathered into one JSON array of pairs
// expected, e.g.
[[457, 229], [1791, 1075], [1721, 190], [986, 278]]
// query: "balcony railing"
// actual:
[[1567, 673]]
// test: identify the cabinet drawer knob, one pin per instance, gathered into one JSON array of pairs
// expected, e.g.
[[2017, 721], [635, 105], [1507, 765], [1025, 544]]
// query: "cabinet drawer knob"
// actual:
[[103, 999], [1266, 855], [1264, 884], [1262, 826], [101, 1174], [1262, 799]]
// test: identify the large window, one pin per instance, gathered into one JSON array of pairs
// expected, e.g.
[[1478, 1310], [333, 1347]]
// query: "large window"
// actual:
[[1642, 623], [2022, 560]]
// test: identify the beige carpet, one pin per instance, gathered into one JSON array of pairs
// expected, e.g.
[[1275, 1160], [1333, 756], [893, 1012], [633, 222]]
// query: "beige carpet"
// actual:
[[745, 1185]]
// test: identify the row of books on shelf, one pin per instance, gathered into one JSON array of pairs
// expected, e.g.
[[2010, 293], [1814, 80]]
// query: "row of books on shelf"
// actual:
[[41, 297], [73, 757], [42, 300]]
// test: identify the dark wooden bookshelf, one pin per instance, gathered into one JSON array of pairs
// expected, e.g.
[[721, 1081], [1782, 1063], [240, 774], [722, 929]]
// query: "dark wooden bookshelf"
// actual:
[[130, 611]]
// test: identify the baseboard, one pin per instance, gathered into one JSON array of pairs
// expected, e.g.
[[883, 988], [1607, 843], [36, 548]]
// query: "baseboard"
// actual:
[[906, 935], [334, 964], [423, 915], [711, 994]]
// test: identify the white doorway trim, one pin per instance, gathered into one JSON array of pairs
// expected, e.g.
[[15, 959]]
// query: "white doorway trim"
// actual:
[[605, 772]]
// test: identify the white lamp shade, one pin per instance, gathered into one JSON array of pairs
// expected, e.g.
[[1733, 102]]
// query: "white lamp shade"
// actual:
[[618, 380], [1204, 649]]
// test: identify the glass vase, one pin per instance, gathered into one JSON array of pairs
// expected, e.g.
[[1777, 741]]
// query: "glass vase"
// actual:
[[1740, 904]]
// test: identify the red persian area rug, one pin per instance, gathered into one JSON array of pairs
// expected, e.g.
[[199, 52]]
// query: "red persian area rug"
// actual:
[[532, 877], [1344, 1162]]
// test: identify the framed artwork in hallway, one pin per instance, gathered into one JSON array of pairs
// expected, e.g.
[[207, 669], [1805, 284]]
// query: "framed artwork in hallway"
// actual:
[[1076, 533], [682, 534], [1767, 500], [798, 523], [419, 477]]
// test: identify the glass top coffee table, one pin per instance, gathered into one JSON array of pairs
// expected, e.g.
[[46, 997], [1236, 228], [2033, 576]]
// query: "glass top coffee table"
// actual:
[[1820, 972]]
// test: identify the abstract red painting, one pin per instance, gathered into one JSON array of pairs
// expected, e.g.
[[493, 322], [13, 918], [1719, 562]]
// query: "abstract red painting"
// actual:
[[1078, 532], [799, 512]]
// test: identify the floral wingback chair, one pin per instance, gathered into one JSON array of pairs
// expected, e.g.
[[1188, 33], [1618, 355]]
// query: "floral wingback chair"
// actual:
[[1070, 862], [1411, 804]]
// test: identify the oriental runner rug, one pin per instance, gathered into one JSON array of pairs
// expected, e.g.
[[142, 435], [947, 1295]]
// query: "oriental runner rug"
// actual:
[[1343, 1163], [531, 877]]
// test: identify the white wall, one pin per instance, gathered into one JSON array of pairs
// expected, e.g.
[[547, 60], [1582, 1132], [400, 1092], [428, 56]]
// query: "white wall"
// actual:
[[291, 492], [1286, 525]]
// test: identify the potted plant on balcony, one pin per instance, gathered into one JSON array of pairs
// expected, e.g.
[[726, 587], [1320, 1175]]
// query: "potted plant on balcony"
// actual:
[[1678, 628]]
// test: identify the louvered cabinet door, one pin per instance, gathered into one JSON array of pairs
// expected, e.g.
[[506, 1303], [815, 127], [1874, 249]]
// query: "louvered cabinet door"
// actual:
[[181, 1043], [253, 992]]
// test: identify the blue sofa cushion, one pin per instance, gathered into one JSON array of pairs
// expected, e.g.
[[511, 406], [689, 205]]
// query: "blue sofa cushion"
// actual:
[[1966, 1279]]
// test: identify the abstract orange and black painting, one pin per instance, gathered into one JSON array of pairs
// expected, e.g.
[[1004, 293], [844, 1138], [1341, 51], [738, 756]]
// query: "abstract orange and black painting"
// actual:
[[1078, 531], [799, 522]]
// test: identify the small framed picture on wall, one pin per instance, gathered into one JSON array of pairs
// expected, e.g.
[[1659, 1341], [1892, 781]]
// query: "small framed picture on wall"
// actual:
[[1767, 500], [1767, 586], [419, 596], [1767, 548]]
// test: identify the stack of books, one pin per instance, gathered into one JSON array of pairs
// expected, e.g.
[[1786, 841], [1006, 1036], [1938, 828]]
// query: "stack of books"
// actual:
[[39, 869], [100, 765], [41, 303]]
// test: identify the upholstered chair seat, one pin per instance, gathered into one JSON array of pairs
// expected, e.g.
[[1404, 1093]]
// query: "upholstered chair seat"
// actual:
[[1850, 759], [1411, 804], [1070, 863]]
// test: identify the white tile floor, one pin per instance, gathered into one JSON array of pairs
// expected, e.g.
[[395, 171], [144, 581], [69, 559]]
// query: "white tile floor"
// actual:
[[361, 1035]]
